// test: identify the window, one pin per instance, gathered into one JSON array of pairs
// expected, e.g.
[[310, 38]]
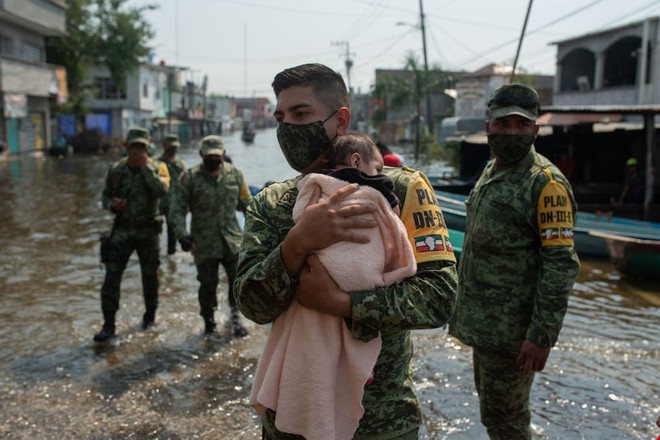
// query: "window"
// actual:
[[105, 88], [145, 90], [7, 45], [31, 52]]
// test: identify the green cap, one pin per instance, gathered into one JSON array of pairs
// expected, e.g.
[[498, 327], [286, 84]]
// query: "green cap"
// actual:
[[172, 140], [138, 135], [514, 99], [631, 162], [212, 145]]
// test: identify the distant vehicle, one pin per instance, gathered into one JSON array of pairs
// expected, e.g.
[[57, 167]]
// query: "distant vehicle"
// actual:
[[248, 133]]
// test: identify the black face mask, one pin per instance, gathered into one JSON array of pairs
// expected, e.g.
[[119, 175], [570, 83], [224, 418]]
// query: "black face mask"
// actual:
[[303, 144], [212, 164], [510, 148]]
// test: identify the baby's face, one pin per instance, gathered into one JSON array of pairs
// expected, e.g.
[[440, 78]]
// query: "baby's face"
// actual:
[[371, 167]]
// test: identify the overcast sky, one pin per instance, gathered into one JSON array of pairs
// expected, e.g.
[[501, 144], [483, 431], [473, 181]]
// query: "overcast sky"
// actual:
[[242, 44]]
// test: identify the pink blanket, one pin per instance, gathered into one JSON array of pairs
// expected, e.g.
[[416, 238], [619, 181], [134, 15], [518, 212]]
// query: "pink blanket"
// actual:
[[312, 372]]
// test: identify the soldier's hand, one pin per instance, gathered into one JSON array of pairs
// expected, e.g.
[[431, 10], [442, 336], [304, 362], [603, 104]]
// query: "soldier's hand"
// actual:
[[325, 223], [532, 357], [137, 157], [318, 291], [187, 243], [118, 204]]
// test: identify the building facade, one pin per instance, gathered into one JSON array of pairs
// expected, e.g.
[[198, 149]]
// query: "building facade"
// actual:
[[617, 66], [26, 80]]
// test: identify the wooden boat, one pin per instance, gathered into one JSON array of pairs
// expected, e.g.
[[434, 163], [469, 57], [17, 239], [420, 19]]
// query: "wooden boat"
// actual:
[[453, 208], [248, 135], [633, 257]]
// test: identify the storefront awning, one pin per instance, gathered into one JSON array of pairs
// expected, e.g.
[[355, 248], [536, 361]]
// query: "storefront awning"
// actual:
[[566, 119]]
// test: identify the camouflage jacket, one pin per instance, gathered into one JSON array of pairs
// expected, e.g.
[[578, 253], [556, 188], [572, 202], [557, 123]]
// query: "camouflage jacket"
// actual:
[[212, 202], [518, 263], [143, 188], [176, 167], [264, 290]]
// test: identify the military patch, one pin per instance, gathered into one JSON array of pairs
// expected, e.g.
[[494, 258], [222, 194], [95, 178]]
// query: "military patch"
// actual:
[[422, 216], [555, 215], [448, 244], [429, 243]]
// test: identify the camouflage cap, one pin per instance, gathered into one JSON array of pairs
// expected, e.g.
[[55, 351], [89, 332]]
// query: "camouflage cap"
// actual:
[[138, 135], [172, 140], [212, 145], [514, 99]]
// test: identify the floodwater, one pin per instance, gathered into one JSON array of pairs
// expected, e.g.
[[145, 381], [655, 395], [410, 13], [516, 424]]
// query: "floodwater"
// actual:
[[171, 382]]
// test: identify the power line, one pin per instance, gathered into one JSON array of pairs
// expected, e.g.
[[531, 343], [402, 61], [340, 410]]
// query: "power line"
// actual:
[[550, 23]]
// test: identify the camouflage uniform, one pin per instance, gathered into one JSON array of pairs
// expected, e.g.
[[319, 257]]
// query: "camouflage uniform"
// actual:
[[136, 228], [515, 275], [176, 167], [264, 290], [212, 202]]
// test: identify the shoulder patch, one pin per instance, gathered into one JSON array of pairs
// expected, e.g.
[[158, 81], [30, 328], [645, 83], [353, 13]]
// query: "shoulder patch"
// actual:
[[422, 216], [555, 215], [164, 174]]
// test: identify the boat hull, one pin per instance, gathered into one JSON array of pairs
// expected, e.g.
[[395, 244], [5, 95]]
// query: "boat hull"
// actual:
[[453, 208]]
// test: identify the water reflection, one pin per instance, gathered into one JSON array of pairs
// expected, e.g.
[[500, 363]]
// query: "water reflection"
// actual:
[[172, 382]]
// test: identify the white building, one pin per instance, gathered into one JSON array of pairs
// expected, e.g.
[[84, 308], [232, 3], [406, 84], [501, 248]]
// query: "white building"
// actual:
[[115, 111], [618, 66]]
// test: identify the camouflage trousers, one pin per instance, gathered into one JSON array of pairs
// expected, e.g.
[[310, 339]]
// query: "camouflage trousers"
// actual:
[[207, 275], [171, 237], [503, 394], [121, 248]]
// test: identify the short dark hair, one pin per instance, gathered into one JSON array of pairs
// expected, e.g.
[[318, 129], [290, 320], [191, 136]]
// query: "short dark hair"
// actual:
[[328, 85], [351, 143]]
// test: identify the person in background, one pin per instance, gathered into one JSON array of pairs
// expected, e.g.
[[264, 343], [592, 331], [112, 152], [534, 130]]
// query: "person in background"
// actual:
[[518, 264], [566, 165], [176, 167], [212, 192], [277, 266], [134, 188], [389, 159], [634, 187]]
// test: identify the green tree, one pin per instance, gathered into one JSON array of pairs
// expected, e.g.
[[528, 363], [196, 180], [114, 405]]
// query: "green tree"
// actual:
[[99, 32]]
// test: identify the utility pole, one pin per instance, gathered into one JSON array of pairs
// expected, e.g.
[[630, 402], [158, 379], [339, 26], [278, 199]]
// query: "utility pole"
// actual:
[[429, 113], [348, 62], [522, 35]]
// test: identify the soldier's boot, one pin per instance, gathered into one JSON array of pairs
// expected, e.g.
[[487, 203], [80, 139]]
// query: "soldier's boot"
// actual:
[[108, 330], [148, 318], [237, 330], [209, 324]]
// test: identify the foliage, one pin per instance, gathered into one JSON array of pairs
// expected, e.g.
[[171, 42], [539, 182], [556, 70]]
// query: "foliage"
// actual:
[[409, 89], [447, 152], [99, 32]]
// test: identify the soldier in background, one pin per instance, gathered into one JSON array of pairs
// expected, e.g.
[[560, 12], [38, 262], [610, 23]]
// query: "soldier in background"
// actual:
[[176, 167], [134, 187], [518, 264], [212, 191]]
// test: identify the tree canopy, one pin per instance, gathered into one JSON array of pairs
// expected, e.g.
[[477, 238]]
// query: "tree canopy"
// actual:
[[100, 32]]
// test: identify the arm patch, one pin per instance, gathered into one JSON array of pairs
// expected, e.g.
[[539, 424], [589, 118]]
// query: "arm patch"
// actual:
[[425, 224], [555, 216]]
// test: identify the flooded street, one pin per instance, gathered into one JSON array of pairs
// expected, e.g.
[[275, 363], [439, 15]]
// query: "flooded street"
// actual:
[[171, 382]]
